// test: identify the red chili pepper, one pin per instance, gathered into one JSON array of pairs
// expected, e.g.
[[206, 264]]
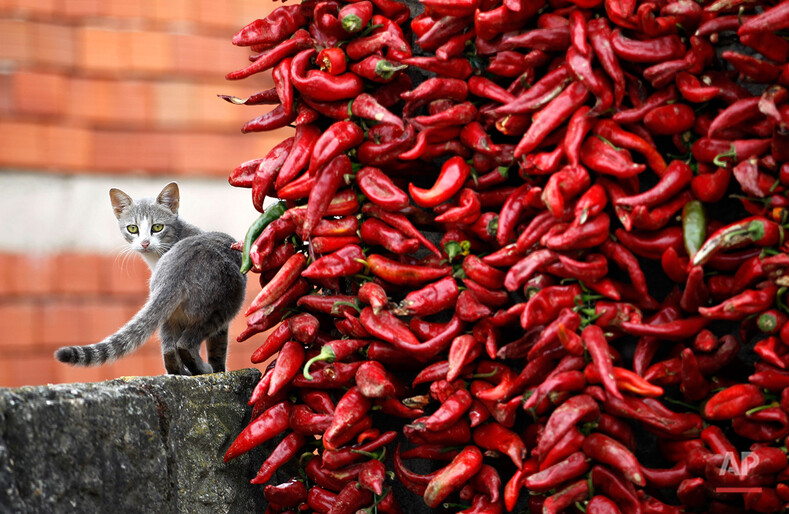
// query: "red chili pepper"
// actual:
[[277, 26], [449, 478], [404, 274], [546, 479], [401, 223], [721, 151], [267, 171], [431, 299], [332, 60], [599, 155], [609, 451], [354, 17], [756, 229], [269, 424], [733, 401], [616, 487], [282, 280], [374, 381], [674, 330], [287, 494], [546, 304], [319, 85], [521, 271], [677, 176], [268, 317], [541, 93], [566, 497], [564, 185], [454, 173], [660, 49], [637, 113], [347, 455], [284, 451], [650, 245], [551, 117], [572, 380], [711, 187], [334, 350], [575, 409], [288, 363], [376, 232], [588, 235], [343, 262], [595, 342], [351, 408]]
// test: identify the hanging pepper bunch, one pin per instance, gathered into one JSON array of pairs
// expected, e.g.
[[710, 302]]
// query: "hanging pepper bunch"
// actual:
[[552, 265]]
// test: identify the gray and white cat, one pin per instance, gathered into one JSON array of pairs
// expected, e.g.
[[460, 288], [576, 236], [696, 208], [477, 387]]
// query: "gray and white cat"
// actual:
[[196, 288]]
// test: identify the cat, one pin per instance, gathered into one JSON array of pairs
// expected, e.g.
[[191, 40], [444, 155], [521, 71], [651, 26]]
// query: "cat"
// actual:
[[196, 288]]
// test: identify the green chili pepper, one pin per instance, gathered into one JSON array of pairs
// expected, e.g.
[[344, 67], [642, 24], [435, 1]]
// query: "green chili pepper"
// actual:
[[694, 226], [270, 214]]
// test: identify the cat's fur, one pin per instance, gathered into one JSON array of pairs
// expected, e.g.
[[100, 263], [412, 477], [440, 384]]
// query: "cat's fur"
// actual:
[[196, 288]]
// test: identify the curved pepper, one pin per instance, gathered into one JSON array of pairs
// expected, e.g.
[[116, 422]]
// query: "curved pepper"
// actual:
[[454, 173], [319, 85]]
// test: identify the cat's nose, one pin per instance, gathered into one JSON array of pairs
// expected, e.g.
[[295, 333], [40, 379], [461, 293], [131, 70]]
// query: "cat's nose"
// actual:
[[145, 244]]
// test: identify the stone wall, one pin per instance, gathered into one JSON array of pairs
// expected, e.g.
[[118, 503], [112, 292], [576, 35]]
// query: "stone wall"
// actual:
[[142, 444]]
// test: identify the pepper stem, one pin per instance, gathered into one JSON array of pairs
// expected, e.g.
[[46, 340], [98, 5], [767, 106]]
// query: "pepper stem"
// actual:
[[326, 354]]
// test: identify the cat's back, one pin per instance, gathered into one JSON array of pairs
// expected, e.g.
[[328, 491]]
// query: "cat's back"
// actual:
[[200, 257]]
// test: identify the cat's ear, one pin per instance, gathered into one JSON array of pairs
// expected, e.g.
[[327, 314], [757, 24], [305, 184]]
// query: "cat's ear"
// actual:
[[120, 201], [169, 197]]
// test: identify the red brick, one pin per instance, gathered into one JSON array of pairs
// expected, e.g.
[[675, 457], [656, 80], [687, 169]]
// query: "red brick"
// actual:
[[132, 102], [81, 8], [125, 276], [213, 111], [69, 148], [150, 52], [6, 95], [18, 319], [100, 49], [22, 144], [7, 365], [174, 104], [122, 9], [30, 274], [32, 369], [28, 9], [204, 55], [63, 323], [131, 151], [104, 318], [14, 41], [39, 93], [77, 273], [172, 10], [7, 261], [215, 14], [140, 364], [67, 374], [52, 44]]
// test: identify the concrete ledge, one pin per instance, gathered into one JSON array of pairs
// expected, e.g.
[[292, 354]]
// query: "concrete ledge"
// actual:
[[142, 444]]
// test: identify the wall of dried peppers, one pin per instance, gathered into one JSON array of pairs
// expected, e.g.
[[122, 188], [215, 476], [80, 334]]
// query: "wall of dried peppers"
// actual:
[[534, 248]]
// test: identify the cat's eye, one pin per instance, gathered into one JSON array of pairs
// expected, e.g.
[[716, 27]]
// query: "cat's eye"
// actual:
[[132, 229], [158, 227]]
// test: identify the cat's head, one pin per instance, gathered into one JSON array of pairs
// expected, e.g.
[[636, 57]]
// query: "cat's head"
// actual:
[[149, 225]]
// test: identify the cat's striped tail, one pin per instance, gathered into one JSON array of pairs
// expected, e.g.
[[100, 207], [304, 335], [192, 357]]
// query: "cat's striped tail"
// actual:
[[159, 307]]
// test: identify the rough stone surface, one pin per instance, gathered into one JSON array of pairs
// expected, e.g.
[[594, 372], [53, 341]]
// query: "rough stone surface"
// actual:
[[144, 444]]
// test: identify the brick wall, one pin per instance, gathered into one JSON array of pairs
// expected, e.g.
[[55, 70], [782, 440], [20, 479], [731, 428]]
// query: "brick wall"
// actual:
[[122, 89]]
